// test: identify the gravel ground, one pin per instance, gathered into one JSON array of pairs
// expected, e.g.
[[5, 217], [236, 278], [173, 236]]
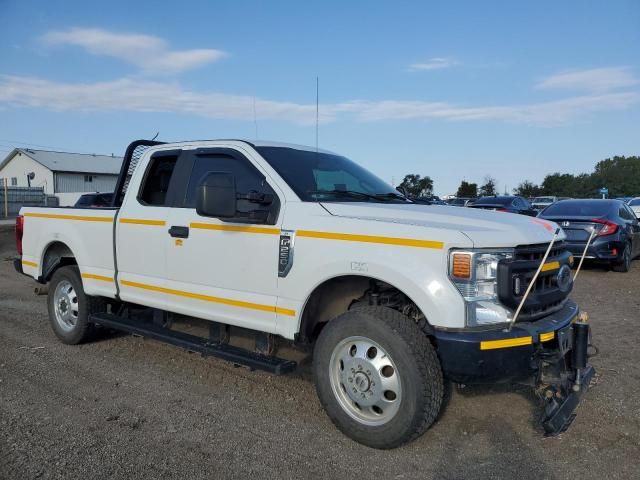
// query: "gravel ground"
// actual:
[[124, 407]]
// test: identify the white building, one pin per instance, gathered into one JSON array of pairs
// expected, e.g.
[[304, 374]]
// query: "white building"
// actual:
[[65, 175]]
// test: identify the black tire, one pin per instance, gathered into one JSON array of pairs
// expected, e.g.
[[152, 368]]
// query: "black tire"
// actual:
[[82, 330], [624, 265], [416, 363]]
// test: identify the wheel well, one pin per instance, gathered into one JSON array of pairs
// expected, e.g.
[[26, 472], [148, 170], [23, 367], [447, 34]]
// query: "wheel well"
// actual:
[[339, 294], [56, 255]]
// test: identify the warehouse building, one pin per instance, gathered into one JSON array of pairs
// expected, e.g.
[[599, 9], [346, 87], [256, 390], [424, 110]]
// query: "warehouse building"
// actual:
[[62, 174]]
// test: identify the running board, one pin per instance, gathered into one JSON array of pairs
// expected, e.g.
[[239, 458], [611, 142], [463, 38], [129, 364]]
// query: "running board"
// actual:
[[204, 346]]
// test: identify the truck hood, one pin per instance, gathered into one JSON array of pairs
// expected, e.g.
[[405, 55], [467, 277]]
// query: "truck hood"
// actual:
[[484, 228]]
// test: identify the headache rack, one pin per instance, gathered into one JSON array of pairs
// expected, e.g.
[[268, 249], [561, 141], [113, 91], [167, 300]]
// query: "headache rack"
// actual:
[[547, 294], [132, 156]]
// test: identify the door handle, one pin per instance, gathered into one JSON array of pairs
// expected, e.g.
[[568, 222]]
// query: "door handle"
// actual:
[[179, 232]]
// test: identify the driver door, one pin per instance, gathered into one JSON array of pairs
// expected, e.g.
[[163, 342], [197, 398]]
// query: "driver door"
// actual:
[[224, 270]]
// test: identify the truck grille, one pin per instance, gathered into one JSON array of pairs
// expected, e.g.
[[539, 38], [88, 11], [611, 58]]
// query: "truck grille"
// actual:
[[515, 275]]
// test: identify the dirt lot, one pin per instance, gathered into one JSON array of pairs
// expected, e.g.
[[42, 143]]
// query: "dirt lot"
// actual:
[[124, 407]]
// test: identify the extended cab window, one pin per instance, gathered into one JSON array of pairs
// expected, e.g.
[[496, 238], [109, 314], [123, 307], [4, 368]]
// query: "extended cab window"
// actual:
[[157, 179]]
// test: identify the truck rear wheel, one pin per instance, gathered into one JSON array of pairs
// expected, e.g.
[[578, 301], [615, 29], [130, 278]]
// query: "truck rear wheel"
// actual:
[[69, 307], [377, 376]]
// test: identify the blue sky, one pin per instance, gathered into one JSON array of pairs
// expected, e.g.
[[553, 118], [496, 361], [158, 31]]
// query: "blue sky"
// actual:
[[453, 91]]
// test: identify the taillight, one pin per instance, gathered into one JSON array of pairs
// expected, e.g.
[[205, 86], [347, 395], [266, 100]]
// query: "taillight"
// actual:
[[502, 210], [19, 231], [608, 228]]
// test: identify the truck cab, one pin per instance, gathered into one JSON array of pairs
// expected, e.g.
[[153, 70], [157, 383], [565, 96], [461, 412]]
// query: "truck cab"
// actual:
[[392, 297]]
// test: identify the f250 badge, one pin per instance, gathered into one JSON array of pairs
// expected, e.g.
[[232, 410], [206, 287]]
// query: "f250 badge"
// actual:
[[285, 252]]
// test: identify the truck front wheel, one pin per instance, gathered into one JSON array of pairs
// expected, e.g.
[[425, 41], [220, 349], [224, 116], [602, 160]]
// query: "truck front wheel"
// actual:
[[69, 306], [377, 376]]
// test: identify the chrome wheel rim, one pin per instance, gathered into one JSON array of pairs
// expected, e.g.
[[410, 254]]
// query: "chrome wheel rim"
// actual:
[[65, 306], [365, 381]]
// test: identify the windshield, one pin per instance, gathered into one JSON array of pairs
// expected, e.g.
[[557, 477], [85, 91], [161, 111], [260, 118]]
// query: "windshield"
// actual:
[[316, 176], [543, 200], [578, 208]]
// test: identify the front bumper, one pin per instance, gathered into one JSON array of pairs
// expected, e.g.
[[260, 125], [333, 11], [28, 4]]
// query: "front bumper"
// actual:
[[551, 354], [493, 356]]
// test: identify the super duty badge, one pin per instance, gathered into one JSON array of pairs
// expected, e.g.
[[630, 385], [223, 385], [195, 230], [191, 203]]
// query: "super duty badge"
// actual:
[[285, 252]]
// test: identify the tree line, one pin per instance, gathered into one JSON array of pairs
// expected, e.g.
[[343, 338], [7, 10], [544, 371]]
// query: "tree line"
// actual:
[[621, 175]]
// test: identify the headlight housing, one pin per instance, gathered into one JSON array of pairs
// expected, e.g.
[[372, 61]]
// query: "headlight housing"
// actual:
[[475, 274]]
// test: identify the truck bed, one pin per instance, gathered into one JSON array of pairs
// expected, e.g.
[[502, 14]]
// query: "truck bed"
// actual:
[[87, 232]]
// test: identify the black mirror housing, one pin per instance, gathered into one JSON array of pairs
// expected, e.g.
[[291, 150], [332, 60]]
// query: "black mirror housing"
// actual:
[[217, 195]]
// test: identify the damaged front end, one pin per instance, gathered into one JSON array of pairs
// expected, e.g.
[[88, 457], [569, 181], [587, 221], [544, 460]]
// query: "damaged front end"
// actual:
[[564, 374]]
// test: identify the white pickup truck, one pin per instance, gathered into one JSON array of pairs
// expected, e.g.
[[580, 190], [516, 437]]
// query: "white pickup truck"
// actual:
[[294, 243]]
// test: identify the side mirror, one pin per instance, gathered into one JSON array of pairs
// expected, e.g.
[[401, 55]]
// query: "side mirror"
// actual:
[[217, 195]]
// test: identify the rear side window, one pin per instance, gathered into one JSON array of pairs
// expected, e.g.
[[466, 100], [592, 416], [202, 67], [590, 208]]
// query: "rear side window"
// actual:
[[157, 179], [624, 213], [635, 202]]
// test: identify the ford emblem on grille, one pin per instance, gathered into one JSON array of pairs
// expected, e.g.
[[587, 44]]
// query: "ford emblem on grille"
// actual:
[[564, 279]]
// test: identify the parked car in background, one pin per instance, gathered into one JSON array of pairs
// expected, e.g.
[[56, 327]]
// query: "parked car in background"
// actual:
[[634, 204], [625, 199], [540, 203], [432, 200], [506, 203], [460, 201], [617, 237], [92, 200]]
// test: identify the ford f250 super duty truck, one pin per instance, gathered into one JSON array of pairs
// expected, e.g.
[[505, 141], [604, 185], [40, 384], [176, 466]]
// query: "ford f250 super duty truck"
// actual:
[[392, 297]]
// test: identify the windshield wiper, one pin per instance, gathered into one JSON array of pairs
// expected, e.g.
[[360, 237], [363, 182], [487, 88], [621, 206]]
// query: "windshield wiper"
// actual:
[[392, 195], [347, 193]]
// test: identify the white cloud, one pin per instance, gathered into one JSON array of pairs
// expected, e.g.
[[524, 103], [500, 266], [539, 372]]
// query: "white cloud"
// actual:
[[147, 96], [592, 80], [145, 51], [435, 63]]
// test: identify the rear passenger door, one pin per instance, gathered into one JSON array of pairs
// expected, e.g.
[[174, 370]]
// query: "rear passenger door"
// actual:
[[141, 235], [225, 270], [633, 226]]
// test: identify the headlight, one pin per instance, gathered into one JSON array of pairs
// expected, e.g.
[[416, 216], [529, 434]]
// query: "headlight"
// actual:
[[475, 275]]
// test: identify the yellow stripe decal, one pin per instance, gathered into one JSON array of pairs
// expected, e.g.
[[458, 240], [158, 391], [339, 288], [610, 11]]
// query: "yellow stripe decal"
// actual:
[[97, 277], [349, 237], [29, 264], [515, 342], [141, 221], [545, 337], [70, 217], [550, 266], [506, 343], [236, 228], [208, 298]]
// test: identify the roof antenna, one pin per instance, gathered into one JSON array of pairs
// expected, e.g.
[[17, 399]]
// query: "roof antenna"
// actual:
[[255, 119], [155, 136], [317, 109]]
